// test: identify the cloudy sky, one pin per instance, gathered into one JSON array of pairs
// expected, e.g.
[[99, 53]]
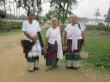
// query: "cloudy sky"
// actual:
[[85, 8]]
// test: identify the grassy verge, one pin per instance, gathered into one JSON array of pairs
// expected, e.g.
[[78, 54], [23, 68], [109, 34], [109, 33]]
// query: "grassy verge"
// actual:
[[10, 32], [98, 45]]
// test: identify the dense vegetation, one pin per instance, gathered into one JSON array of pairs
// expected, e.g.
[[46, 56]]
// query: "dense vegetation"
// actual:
[[100, 27], [9, 26]]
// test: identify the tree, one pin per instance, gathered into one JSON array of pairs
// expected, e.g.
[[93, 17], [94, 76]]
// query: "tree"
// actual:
[[107, 19], [2, 13], [97, 14], [61, 9], [3, 1], [30, 4]]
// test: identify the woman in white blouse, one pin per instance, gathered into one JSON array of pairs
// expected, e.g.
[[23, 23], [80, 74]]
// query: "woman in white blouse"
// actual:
[[53, 45], [74, 38], [30, 28]]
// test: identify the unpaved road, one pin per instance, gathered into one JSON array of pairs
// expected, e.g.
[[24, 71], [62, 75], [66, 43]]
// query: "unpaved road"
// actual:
[[13, 67]]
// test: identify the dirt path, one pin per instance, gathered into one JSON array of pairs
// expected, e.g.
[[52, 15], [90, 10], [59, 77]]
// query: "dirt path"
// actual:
[[13, 67]]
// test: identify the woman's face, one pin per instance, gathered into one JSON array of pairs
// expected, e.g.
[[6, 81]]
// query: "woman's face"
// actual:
[[74, 19], [54, 23], [31, 15]]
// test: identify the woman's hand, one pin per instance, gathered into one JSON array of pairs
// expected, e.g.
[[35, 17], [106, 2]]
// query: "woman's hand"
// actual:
[[33, 40], [36, 37]]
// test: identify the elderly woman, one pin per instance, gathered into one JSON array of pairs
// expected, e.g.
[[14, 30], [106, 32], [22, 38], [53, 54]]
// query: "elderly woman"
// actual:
[[53, 45], [30, 30], [74, 38]]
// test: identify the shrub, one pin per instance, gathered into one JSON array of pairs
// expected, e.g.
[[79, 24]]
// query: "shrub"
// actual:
[[100, 27], [8, 26]]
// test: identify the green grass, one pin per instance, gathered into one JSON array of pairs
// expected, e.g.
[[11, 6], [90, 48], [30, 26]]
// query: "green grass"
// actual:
[[98, 46], [10, 32]]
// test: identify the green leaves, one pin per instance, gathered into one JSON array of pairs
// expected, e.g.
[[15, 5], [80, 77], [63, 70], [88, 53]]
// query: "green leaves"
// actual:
[[62, 9], [27, 5]]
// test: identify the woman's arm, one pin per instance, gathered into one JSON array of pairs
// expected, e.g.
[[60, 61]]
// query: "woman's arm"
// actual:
[[28, 35]]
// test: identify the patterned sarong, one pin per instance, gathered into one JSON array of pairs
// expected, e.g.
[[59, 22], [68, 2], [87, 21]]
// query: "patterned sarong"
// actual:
[[51, 57], [73, 56]]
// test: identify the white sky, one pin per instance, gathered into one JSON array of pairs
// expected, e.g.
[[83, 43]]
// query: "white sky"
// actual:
[[85, 8]]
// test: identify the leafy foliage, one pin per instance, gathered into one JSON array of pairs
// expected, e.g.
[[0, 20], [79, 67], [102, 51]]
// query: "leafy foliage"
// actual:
[[8, 26], [61, 9], [100, 27], [30, 4]]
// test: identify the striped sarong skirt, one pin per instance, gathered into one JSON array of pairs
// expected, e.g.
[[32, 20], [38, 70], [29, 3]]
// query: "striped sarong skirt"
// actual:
[[51, 56]]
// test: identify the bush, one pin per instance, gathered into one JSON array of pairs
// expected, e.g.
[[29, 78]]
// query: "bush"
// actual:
[[100, 27], [8, 26]]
